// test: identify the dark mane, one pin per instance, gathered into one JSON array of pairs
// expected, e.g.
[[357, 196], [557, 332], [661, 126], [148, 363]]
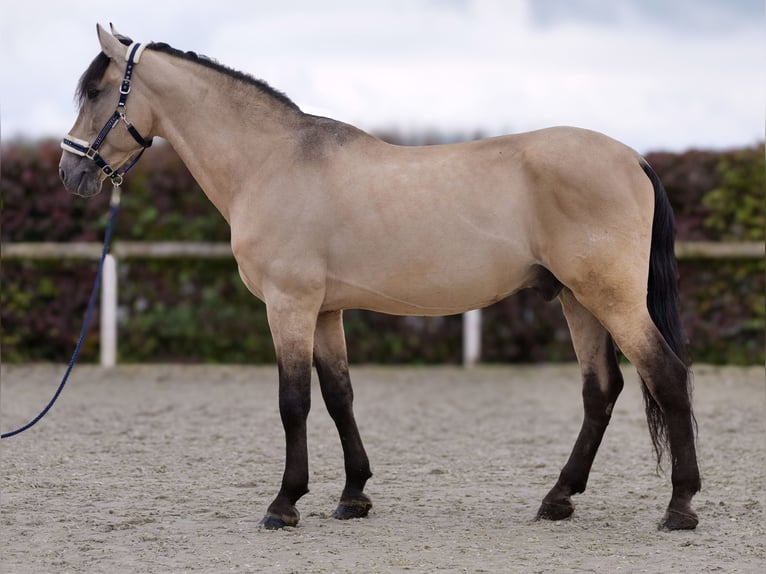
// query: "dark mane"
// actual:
[[98, 67], [235, 74]]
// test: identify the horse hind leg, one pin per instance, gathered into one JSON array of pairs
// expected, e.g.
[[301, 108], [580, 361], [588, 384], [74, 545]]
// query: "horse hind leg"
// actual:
[[667, 394], [602, 384], [332, 368]]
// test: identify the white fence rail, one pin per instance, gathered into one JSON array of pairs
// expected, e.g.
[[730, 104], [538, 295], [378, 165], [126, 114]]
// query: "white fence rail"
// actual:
[[188, 249]]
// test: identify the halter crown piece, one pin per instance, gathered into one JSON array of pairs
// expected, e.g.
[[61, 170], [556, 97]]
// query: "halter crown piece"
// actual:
[[83, 148]]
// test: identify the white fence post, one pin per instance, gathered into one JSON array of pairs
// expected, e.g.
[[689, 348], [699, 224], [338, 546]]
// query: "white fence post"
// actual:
[[471, 337], [109, 312]]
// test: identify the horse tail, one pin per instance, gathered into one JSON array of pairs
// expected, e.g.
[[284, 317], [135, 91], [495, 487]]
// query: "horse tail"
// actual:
[[663, 304]]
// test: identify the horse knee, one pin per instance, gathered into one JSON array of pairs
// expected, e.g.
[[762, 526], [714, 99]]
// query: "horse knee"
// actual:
[[294, 394], [294, 407]]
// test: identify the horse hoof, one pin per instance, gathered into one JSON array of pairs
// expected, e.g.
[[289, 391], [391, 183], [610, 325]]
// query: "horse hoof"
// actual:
[[555, 510], [352, 508], [277, 522], [676, 520]]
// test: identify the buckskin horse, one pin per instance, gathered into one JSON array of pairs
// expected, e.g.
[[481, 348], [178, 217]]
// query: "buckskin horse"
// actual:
[[325, 217]]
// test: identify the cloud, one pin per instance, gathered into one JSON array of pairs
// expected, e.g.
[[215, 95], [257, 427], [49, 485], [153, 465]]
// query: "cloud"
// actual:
[[649, 72], [680, 16]]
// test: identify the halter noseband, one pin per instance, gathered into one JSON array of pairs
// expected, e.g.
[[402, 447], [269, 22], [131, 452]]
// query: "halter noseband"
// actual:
[[82, 148]]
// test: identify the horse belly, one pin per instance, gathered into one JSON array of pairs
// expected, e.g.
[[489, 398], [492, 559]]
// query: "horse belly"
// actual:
[[428, 286]]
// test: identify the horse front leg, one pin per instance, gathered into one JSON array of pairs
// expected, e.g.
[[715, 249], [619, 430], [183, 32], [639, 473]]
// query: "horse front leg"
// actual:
[[292, 324], [332, 367]]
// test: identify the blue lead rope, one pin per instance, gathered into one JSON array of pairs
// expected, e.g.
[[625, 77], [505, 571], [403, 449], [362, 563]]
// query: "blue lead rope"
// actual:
[[114, 207]]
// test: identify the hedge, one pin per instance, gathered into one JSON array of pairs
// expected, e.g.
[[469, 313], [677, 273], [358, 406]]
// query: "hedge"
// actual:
[[199, 311]]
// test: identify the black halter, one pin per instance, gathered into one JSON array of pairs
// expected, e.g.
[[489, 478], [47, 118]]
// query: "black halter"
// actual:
[[82, 148]]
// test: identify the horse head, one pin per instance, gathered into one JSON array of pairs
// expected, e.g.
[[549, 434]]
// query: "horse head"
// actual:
[[104, 143]]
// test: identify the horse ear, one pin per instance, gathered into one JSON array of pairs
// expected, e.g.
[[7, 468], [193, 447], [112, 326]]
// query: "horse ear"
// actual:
[[110, 45], [121, 37]]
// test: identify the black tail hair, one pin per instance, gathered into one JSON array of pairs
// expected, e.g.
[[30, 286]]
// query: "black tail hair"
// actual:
[[663, 303]]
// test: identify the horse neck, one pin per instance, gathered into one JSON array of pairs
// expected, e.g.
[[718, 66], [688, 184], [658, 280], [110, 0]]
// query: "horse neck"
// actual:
[[223, 129]]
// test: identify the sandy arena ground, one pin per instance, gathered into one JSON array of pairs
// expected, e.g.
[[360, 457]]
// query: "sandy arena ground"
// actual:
[[159, 468]]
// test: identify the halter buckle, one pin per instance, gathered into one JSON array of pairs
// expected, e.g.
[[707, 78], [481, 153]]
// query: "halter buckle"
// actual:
[[91, 153], [125, 87]]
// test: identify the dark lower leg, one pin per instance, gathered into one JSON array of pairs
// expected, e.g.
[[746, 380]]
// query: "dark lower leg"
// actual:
[[338, 396], [602, 384], [294, 405], [573, 479], [670, 392], [332, 367], [686, 482]]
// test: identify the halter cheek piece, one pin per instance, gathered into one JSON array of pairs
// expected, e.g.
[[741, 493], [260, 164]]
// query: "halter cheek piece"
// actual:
[[82, 148]]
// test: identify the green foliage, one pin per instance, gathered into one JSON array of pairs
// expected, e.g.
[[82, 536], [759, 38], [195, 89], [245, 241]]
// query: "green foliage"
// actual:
[[738, 205], [190, 310], [199, 310], [723, 310]]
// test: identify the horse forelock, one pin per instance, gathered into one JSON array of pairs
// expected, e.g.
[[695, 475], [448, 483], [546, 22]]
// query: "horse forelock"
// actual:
[[95, 72]]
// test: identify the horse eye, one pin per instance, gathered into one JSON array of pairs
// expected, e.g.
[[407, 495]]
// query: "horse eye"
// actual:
[[92, 93]]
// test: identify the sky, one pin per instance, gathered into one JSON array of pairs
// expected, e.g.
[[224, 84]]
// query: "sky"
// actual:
[[656, 74]]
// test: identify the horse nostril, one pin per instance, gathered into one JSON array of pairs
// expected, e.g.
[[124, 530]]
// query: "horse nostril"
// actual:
[[62, 174]]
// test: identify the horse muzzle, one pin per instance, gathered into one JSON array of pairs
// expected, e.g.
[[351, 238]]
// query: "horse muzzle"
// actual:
[[80, 176]]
